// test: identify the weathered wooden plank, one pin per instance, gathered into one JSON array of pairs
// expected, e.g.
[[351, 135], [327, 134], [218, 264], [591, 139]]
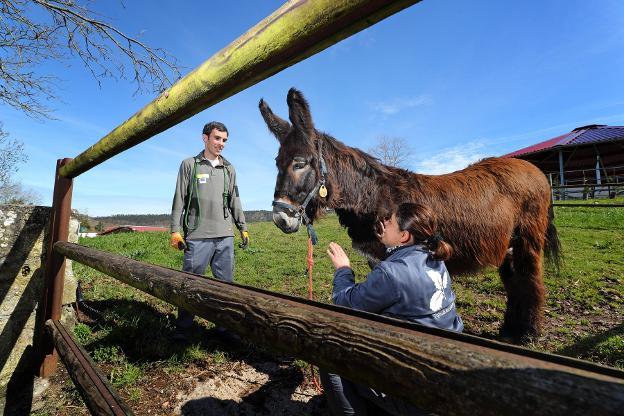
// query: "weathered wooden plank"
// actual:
[[295, 31], [452, 374], [589, 205], [99, 396]]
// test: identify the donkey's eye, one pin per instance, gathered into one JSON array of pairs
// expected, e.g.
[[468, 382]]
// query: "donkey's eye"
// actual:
[[299, 164]]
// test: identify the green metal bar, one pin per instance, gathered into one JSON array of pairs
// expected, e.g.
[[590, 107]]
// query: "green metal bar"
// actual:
[[295, 31]]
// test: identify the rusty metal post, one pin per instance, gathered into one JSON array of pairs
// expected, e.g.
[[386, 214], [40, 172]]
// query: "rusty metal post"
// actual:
[[54, 268]]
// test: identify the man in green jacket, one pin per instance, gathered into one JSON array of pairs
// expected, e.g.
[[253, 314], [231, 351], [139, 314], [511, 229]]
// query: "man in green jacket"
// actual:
[[206, 205]]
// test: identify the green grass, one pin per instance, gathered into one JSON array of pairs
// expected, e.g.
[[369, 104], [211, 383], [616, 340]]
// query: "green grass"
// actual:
[[584, 312], [125, 375]]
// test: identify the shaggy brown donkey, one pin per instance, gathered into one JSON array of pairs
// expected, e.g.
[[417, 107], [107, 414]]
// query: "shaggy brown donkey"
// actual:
[[496, 212]]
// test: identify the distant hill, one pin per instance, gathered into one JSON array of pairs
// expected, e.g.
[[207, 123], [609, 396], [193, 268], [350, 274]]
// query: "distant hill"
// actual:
[[160, 220], [155, 220]]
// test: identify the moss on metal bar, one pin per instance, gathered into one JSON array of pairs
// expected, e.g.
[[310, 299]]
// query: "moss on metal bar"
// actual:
[[295, 31]]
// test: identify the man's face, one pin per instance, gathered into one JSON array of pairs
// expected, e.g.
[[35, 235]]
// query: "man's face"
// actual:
[[214, 143]]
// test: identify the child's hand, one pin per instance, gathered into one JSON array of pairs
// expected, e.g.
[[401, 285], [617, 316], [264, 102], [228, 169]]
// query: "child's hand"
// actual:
[[337, 256]]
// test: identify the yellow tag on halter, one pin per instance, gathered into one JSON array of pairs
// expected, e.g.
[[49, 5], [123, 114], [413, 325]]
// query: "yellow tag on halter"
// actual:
[[322, 191]]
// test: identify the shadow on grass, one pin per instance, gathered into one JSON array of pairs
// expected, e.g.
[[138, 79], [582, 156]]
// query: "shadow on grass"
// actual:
[[597, 347], [144, 335]]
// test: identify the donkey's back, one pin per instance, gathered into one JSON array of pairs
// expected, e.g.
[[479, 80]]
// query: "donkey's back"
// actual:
[[483, 207]]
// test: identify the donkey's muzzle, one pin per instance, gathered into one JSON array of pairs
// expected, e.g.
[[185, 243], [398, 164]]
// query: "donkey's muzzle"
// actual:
[[285, 222]]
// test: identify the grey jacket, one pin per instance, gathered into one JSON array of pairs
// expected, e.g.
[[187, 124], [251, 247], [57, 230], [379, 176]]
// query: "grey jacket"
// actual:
[[209, 216], [408, 285]]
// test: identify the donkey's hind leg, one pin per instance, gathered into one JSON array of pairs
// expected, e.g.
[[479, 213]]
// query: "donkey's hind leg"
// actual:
[[521, 273], [506, 272]]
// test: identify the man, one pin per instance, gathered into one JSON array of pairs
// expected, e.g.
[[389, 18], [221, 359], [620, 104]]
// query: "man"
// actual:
[[205, 206]]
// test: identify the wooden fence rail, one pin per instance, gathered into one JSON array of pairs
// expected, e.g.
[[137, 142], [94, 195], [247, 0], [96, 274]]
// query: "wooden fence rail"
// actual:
[[295, 31], [99, 396], [441, 371], [590, 185], [588, 205]]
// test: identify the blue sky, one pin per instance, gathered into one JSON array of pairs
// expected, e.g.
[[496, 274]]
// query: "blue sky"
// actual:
[[458, 80]]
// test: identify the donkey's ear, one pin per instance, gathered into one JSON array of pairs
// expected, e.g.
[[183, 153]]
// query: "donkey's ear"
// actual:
[[278, 126], [299, 112]]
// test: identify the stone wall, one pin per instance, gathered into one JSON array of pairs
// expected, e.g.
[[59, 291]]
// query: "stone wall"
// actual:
[[23, 238]]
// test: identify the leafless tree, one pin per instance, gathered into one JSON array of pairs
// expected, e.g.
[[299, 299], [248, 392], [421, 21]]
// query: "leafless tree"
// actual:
[[11, 155], [14, 193], [34, 31], [393, 151]]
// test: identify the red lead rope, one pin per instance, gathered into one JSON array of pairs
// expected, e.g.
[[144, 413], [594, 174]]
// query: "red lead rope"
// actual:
[[310, 266]]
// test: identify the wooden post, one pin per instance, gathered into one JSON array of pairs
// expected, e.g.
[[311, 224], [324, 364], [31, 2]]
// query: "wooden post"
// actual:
[[436, 370], [561, 178], [54, 269], [98, 394], [598, 178]]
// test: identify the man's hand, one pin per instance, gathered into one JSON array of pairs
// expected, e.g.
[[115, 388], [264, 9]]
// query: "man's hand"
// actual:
[[337, 256], [177, 241], [245, 237]]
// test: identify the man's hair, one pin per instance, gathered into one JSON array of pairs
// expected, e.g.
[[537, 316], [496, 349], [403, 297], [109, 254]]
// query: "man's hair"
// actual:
[[209, 127]]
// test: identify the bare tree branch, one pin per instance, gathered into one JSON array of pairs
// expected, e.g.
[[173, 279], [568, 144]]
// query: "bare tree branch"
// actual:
[[28, 39], [14, 193], [11, 155], [392, 151]]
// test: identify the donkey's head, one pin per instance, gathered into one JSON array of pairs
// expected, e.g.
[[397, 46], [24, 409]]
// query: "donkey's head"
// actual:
[[300, 174]]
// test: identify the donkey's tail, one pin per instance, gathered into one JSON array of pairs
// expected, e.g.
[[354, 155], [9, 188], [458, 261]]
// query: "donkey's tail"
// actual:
[[552, 246]]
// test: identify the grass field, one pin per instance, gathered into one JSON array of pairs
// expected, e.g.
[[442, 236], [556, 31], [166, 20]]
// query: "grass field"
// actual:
[[584, 311]]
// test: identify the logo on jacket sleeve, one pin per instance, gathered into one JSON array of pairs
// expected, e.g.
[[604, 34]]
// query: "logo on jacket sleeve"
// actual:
[[440, 281]]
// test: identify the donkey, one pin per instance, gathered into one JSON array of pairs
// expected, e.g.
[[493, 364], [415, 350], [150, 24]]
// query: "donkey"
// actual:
[[496, 212]]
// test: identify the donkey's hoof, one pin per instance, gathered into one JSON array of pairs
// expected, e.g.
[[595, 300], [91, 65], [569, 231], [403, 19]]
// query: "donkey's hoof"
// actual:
[[518, 337]]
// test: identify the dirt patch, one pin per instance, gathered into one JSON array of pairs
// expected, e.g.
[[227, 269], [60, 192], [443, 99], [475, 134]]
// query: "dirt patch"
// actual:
[[266, 388]]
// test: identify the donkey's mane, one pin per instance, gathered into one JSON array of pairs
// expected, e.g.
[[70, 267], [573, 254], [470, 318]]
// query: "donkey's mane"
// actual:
[[362, 177], [360, 161]]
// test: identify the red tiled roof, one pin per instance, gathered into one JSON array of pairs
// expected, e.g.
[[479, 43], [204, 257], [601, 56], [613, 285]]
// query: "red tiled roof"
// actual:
[[594, 133]]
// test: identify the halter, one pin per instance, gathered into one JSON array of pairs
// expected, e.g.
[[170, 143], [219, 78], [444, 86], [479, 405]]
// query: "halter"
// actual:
[[299, 212]]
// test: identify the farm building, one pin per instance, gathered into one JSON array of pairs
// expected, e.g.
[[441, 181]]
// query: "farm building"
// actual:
[[588, 161]]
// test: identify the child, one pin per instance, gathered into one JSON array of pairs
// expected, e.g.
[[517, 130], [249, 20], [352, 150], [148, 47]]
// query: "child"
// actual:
[[412, 284]]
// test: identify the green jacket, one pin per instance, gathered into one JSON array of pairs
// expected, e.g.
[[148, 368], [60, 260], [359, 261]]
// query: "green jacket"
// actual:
[[206, 215]]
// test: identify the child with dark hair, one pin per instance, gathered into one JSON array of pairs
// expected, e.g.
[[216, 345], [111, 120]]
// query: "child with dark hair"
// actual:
[[412, 284]]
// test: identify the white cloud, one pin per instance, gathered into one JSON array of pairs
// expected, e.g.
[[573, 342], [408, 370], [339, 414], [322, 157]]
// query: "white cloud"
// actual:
[[81, 125], [451, 159], [399, 104]]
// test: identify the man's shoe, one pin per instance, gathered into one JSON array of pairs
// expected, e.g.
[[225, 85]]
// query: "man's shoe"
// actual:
[[179, 336]]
